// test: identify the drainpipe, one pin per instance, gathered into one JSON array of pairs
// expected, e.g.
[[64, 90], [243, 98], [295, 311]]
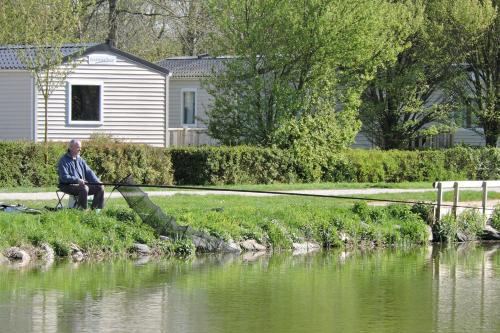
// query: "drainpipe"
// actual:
[[166, 143], [34, 109]]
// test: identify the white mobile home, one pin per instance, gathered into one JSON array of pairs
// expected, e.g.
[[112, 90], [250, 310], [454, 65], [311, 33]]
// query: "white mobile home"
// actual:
[[189, 100], [109, 91]]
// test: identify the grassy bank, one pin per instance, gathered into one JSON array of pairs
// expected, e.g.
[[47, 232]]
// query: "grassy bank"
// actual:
[[276, 222], [112, 233]]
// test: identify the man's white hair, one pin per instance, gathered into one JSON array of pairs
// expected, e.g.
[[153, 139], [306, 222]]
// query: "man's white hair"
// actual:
[[73, 142]]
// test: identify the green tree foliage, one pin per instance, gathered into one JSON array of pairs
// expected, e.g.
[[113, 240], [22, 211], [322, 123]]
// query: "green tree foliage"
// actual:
[[44, 27], [296, 59], [408, 98], [478, 88]]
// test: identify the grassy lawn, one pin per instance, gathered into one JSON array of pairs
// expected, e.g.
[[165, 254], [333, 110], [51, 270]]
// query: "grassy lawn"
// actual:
[[465, 196]]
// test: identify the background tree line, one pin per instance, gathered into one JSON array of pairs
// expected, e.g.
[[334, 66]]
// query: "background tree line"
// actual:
[[305, 72]]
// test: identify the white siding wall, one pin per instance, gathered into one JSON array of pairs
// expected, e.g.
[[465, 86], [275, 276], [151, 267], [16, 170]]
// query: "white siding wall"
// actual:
[[133, 104], [203, 101], [16, 105], [362, 142], [468, 137]]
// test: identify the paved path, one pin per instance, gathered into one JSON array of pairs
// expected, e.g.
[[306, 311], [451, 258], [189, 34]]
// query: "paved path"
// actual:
[[339, 192]]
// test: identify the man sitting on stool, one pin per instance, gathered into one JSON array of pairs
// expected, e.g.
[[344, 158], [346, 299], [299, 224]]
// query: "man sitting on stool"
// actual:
[[74, 176]]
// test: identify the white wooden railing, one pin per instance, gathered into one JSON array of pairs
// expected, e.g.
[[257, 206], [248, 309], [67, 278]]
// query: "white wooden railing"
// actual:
[[442, 140], [189, 136], [484, 185]]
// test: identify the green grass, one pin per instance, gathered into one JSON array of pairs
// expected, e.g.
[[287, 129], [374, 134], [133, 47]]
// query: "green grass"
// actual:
[[276, 221], [465, 196], [109, 233]]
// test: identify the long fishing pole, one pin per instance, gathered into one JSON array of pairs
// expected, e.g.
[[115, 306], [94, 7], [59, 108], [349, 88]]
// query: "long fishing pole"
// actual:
[[117, 185]]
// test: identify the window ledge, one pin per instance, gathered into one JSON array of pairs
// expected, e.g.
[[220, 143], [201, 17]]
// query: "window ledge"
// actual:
[[85, 124]]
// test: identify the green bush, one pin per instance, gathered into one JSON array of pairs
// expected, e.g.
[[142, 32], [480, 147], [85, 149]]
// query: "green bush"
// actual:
[[425, 211], [23, 163], [243, 164], [231, 165], [495, 218], [468, 226], [113, 161]]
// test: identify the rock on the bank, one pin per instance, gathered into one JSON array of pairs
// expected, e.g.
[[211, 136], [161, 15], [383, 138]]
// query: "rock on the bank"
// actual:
[[48, 252], [76, 253], [252, 245], [3, 260], [490, 233], [430, 238], [230, 246], [16, 254], [305, 247], [141, 249], [207, 243]]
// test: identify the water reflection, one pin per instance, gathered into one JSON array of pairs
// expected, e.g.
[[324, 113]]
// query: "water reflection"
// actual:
[[435, 289]]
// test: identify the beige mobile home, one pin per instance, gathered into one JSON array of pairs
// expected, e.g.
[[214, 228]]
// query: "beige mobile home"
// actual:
[[189, 100], [109, 91]]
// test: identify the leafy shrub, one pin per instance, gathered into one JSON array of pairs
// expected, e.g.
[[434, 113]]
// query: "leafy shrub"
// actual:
[[361, 209], [447, 228], [495, 218], [327, 233], [23, 163], [124, 215], [471, 223], [278, 234], [466, 227], [231, 165], [425, 211], [113, 161], [184, 247]]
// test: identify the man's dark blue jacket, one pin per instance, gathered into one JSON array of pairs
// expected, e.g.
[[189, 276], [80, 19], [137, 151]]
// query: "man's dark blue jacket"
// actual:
[[70, 170]]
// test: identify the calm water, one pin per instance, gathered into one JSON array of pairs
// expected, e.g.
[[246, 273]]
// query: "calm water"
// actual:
[[422, 290]]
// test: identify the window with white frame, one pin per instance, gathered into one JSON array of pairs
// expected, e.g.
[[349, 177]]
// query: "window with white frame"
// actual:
[[188, 106], [85, 103]]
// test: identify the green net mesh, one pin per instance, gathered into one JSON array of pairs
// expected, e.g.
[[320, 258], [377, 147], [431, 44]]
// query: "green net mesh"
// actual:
[[164, 224]]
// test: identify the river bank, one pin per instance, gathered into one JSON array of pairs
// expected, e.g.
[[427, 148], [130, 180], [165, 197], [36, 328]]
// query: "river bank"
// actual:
[[246, 223]]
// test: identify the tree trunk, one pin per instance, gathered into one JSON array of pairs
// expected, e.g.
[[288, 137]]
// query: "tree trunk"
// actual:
[[112, 21], [491, 134]]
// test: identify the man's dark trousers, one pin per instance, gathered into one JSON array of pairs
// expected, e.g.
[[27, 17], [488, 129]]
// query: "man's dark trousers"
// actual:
[[83, 191]]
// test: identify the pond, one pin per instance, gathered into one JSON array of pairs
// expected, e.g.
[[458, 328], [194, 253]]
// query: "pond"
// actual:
[[430, 289]]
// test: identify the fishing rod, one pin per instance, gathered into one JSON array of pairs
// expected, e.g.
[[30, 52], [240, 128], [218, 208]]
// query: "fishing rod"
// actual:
[[178, 187]]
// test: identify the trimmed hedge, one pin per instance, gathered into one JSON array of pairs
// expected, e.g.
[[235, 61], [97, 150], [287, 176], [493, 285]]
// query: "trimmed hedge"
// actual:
[[23, 164], [113, 161], [233, 165]]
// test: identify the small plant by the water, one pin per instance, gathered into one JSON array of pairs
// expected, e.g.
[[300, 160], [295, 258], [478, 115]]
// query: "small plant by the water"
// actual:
[[467, 226]]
